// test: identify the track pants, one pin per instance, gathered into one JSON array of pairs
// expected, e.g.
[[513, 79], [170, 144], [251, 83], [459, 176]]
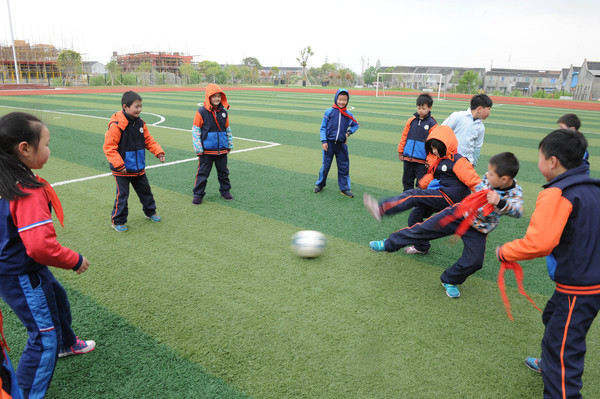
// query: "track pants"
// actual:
[[413, 171], [142, 188], [205, 164], [8, 379], [567, 318], [423, 203], [420, 233], [41, 304], [340, 151]]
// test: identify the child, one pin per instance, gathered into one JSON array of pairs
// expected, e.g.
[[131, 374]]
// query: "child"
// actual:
[[506, 196], [9, 387], [337, 126], [212, 142], [27, 244], [450, 178], [124, 148], [564, 228], [468, 126], [572, 122], [411, 149]]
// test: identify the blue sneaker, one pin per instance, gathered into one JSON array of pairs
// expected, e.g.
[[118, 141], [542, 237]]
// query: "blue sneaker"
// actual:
[[377, 246], [451, 290], [79, 348], [534, 364], [119, 227], [155, 218]]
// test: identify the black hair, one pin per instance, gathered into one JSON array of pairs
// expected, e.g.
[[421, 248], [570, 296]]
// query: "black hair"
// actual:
[[425, 99], [506, 164], [481, 100], [129, 97], [571, 120], [566, 145], [437, 144], [15, 128]]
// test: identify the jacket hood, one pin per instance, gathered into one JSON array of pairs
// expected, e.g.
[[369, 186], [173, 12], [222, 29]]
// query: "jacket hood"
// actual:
[[446, 135], [340, 91], [214, 89]]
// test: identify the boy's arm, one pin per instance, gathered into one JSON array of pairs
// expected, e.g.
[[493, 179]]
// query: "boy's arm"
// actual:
[[353, 127], [450, 121], [404, 135], [546, 226], [196, 134], [477, 145], [32, 217], [151, 144], [323, 129], [463, 169], [511, 204], [112, 138], [229, 135]]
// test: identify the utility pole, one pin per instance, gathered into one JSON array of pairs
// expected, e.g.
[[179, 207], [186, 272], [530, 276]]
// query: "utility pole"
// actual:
[[17, 74]]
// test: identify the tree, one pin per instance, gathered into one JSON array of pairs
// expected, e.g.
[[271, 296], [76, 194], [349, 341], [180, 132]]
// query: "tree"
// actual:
[[468, 82], [209, 69], [186, 71], [69, 63], [275, 71], [114, 69], [145, 71], [370, 75], [252, 62], [303, 59], [232, 72]]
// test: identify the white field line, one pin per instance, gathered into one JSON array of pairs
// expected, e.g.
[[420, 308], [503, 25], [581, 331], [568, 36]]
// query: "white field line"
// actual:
[[268, 144]]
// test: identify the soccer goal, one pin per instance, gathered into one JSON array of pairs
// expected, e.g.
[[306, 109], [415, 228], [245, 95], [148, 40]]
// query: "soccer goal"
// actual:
[[393, 81]]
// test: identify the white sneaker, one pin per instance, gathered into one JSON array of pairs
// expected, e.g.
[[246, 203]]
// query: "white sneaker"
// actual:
[[414, 251], [372, 205]]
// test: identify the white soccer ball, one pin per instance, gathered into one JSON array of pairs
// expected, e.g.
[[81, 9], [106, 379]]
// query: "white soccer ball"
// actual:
[[309, 243]]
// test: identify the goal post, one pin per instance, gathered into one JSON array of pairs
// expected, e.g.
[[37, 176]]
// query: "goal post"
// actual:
[[425, 82]]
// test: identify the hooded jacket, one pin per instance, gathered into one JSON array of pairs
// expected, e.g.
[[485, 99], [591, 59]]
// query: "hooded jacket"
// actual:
[[335, 124], [452, 174], [125, 143], [414, 135], [210, 132]]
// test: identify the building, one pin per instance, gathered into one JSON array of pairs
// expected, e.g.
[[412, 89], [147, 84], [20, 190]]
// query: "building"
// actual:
[[160, 62], [36, 63], [93, 68], [524, 81], [450, 76], [588, 82]]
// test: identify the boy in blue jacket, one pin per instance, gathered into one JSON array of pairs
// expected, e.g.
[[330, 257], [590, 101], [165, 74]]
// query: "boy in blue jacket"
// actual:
[[411, 149], [338, 124]]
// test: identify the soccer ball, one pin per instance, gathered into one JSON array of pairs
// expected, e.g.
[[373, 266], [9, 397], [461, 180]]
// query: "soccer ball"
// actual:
[[308, 243]]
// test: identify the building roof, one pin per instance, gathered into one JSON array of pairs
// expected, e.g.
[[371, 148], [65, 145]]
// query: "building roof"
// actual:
[[593, 67]]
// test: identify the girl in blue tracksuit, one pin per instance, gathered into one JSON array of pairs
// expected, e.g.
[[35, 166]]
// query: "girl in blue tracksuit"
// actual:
[[338, 124]]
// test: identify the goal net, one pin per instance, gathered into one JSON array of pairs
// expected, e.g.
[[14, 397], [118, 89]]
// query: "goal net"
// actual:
[[389, 82]]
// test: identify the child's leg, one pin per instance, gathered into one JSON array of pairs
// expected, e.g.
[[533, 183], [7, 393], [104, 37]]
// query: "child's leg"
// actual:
[[471, 259], [205, 163], [567, 319], [408, 177], [343, 166], [420, 171], [120, 210], [141, 185], [63, 310], [29, 296], [417, 215], [8, 378], [421, 233], [222, 173], [432, 199], [327, 159]]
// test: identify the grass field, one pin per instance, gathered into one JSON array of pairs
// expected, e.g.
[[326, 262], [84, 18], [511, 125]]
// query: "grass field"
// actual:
[[211, 302]]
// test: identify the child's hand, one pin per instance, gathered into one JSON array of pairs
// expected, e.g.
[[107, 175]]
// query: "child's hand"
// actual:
[[493, 197], [325, 146], [161, 157], [400, 156], [84, 265]]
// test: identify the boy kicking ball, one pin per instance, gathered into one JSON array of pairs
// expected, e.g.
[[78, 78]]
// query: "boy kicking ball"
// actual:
[[504, 194]]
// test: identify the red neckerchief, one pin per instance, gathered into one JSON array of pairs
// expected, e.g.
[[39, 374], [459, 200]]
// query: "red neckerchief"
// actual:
[[3, 343], [468, 208], [343, 112], [56, 205], [514, 266]]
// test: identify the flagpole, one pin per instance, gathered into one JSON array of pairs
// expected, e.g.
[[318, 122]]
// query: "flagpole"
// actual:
[[17, 74]]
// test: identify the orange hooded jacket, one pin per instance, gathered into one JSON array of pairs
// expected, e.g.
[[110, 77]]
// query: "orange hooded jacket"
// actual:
[[220, 120]]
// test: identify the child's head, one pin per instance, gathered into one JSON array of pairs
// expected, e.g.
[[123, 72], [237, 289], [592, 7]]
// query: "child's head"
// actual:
[[481, 106], [132, 103], [215, 99], [569, 121], [424, 105], [435, 147], [24, 141], [559, 151], [502, 169], [342, 98]]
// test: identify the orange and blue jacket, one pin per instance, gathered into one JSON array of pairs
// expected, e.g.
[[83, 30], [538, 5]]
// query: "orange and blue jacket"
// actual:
[[414, 136], [452, 174], [211, 133], [125, 143], [565, 227]]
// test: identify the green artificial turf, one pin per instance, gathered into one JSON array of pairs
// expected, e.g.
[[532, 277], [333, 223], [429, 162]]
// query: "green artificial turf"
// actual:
[[212, 303]]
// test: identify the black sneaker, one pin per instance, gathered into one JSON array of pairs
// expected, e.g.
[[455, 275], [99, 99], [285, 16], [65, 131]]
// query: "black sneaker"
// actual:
[[227, 196], [347, 193], [317, 189]]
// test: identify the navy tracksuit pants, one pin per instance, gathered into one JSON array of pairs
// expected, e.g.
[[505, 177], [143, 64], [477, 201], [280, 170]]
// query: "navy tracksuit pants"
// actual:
[[205, 164], [567, 319], [413, 172], [340, 151], [142, 188], [41, 304], [424, 203], [420, 234]]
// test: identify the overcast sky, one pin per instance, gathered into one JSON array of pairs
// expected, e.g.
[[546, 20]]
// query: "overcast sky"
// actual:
[[526, 34]]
